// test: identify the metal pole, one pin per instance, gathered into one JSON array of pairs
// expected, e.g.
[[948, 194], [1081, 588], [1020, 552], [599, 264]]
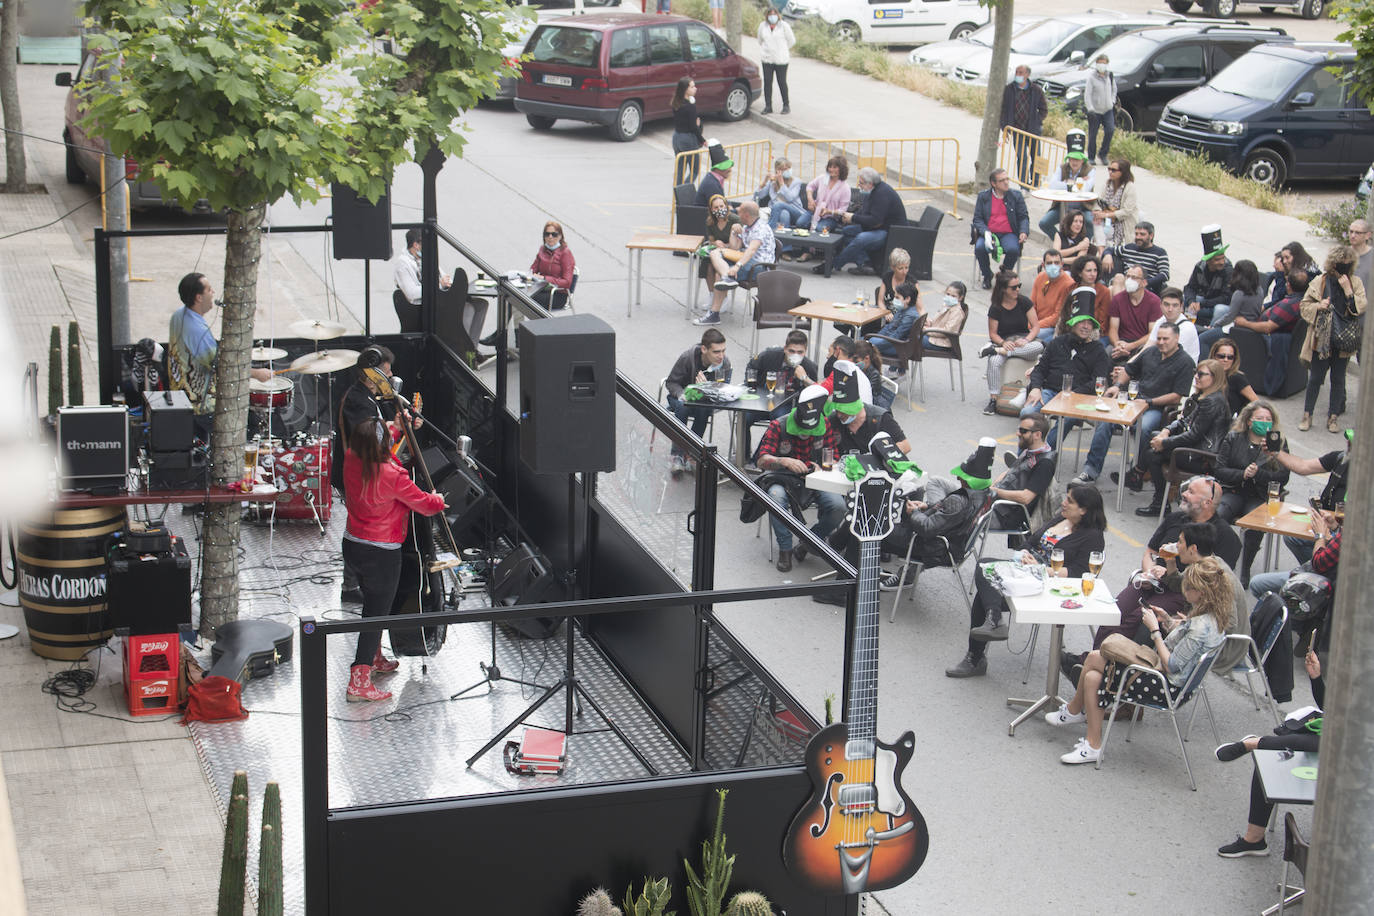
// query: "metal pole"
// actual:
[[107, 365], [429, 246], [314, 765], [1339, 879]]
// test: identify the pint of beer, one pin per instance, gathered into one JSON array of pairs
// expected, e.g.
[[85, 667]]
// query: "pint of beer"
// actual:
[[1168, 551], [1057, 560], [1089, 580]]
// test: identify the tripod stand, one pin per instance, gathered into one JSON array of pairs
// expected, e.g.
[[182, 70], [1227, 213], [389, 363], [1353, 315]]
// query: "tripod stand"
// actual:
[[569, 682]]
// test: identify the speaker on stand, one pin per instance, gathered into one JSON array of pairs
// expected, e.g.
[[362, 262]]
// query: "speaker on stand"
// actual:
[[362, 230]]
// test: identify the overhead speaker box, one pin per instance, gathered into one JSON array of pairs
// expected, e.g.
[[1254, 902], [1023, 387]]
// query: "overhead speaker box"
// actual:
[[362, 230]]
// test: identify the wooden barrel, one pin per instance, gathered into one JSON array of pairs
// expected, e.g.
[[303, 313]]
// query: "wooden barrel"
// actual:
[[62, 579]]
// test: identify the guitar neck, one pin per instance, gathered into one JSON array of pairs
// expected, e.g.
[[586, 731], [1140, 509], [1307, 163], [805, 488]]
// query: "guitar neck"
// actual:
[[862, 714]]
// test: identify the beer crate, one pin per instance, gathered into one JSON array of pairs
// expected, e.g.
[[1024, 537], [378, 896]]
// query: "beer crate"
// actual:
[[151, 656], [153, 697]]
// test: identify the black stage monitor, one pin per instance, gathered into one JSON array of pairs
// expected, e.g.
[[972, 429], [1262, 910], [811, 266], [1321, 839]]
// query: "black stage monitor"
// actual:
[[522, 577]]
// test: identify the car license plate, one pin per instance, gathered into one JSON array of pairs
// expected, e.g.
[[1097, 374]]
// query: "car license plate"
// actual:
[[551, 80]]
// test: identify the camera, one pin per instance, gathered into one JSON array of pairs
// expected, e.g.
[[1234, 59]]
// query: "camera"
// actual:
[[1273, 441]]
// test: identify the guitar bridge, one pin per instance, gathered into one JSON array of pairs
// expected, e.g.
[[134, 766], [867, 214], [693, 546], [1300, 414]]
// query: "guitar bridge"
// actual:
[[447, 562]]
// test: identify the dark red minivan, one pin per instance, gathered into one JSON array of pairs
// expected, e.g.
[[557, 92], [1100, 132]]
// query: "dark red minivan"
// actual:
[[620, 69]]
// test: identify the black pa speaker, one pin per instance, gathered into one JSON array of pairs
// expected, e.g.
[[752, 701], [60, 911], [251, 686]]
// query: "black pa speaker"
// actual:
[[362, 230], [522, 577], [567, 394]]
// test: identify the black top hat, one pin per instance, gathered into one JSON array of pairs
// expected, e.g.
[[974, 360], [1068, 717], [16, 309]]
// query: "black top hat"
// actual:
[[1082, 303], [976, 471], [806, 419], [719, 161], [852, 389], [1211, 242], [1077, 141]]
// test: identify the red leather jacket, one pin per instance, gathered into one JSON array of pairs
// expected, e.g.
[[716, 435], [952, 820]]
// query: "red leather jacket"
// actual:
[[555, 266], [380, 511]]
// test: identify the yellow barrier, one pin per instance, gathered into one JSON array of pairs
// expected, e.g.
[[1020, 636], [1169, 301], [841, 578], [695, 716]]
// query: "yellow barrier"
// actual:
[[1044, 158], [753, 163], [908, 164]]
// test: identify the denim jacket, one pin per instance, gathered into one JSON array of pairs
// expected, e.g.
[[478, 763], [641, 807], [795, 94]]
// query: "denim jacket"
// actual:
[[1187, 643], [898, 327]]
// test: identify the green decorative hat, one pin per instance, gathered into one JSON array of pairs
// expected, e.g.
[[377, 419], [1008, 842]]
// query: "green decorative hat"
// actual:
[[1082, 301], [852, 389], [1211, 242], [719, 161], [976, 471], [807, 418], [1350, 435], [1077, 141]]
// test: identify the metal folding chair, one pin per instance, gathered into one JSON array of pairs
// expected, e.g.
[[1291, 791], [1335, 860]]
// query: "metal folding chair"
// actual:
[[952, 560], [1257, 654]]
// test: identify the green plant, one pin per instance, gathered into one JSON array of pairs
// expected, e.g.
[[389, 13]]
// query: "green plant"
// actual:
[[651, 900], [598, 903], [751, 13], [749, 903], [54, 371], [1332, 220], [234, 865], [829, 709], [75, 390], [271, 901], [705, 894]]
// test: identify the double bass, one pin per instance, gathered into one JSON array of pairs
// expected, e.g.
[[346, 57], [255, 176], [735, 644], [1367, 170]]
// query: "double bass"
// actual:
[[421, 589]]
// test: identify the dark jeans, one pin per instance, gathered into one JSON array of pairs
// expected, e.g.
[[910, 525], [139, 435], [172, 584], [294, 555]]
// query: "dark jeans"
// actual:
[[987, 599], [688, 168], [1232, 507], [379, 572], [542, 295], [1316, 375], [1108, 124], [699, 417], [769, 70], [1259, 808], [1026, 151]]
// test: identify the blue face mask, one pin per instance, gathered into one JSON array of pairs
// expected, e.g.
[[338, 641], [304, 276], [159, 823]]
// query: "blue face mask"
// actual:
[[550, 247], [1020, 81], [950, 301], [786, 173], [1052, 270]]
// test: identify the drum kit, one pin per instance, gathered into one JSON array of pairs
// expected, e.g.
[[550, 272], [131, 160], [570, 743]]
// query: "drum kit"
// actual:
[[299, 469]]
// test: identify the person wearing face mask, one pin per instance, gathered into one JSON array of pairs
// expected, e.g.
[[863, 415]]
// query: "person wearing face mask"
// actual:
[[775, 43], [192, 350], [1024, 107], [782, 195], [1336, 295], [1129, 319], [720, 223], [948, 323], [793, 445], [905, 308], [687, 134], [1048, 291], [1245, 470], [554, 264], [1099, 101]]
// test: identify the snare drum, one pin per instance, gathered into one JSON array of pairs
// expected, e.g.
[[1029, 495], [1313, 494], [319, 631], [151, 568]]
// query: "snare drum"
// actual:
[[271, 394]]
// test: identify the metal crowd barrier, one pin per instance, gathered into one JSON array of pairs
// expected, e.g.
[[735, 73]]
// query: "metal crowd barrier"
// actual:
[[909, 164], [1046, 157], [753, 163]]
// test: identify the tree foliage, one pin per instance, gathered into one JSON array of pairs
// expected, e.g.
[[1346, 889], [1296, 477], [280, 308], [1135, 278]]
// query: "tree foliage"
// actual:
[[1360, 19]]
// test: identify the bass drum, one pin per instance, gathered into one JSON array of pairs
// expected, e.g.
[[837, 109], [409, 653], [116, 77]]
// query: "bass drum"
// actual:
[[419, 592]]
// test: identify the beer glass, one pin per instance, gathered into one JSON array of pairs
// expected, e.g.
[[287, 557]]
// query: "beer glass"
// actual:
[[1274, 504], [1057, 560]]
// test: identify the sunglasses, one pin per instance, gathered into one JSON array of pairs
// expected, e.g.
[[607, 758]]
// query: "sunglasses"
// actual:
[[1226, 356], [1025, 430], [1113, 169], [1013, 286], [1202, 375], [550, 235]]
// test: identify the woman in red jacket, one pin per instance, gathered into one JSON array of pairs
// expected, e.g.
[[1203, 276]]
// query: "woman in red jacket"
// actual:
[[379, 496], [553, 263]]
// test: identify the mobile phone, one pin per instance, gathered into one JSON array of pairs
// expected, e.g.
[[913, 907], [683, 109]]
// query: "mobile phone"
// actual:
[[1273, 441], [1316, 506]]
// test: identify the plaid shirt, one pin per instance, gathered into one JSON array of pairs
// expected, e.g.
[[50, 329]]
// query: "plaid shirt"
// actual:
[[1326, 559], [778, 443], [1284, 313]]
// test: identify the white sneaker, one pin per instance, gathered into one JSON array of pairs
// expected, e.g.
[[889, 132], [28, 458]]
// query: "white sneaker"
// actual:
[[1082, 753], [1062, 716]]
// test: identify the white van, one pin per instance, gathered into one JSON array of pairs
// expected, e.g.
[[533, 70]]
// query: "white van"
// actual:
[[894, 22]]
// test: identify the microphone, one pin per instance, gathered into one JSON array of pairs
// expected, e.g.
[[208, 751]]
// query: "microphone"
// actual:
[[396, 383], [465, 451]]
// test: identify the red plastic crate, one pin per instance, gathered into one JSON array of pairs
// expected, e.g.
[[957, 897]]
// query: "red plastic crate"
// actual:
[[152, 697], [151, 657]]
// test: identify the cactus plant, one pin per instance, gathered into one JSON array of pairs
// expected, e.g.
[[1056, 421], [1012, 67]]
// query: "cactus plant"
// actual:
[[235, 861], [75, 391], [271, 901], [54, 371], [598, 903], [830, 709], [706, 894], [651, 900], [749, 903]]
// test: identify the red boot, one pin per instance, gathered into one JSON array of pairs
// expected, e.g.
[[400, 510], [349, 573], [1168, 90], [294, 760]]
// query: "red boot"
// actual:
[[383, 665], [360, 687]]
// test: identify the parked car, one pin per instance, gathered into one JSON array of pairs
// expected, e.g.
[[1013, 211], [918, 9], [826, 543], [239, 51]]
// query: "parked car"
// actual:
[[1062, 39], [1307, 9], [895, 22], [1280, 111], [1154, 66], [85, 153], [941, 56], [620, 70], [544, 11]]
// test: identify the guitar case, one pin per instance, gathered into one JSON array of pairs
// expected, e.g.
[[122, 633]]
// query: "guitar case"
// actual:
[[247, 649]]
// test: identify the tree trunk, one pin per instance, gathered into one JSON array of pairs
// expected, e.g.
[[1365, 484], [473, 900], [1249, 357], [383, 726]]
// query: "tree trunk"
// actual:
[[1339, 879], [219, 596], [16, 168], [734, 23], [992, 109]]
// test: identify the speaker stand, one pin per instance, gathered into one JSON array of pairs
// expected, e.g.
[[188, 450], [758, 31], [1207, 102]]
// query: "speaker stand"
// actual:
[[491, 673], [569, 683]]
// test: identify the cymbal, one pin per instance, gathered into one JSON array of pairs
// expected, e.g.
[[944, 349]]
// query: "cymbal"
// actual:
[[266, 354], [317, 330], [324, 361]]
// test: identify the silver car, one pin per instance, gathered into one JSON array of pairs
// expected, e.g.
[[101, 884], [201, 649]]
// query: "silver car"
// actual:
[[941, 56]]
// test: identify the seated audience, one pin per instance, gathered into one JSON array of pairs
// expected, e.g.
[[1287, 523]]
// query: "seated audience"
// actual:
[[1209, 285], [1086, 270], [752, 248], [697, 365], [944, 507], [949, 320], [553, 263], [1048, 291], [866, 229], [1076, 174], [1245, 469], [1336, 464], [1246, 299], [827, 199], [793, 444], [1146, 254], [1171, 309], [1073, 238], [1131, 316], [999, 217], [1074, 352], [870, 362], [1030, 471], [905, 308], [1238, 390], [1201, 424], [898, 266], [1077, 529], [1012, 329]]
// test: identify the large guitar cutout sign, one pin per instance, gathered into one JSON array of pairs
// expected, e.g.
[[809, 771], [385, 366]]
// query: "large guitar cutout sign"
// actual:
[[859, 831]]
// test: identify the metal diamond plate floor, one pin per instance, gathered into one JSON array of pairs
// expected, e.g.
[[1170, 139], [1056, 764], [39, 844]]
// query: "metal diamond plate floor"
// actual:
[[413, 746]]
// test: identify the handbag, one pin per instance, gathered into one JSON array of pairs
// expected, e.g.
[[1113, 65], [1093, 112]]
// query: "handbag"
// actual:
[[1347, 332], [1122, 650]]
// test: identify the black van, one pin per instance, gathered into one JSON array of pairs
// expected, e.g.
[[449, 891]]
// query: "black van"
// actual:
[[1153, 67], [1280, 111]]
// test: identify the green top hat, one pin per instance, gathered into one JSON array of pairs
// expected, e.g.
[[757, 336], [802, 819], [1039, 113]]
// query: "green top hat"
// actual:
[[1211, 242], [976, 471], [1082, 303]]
